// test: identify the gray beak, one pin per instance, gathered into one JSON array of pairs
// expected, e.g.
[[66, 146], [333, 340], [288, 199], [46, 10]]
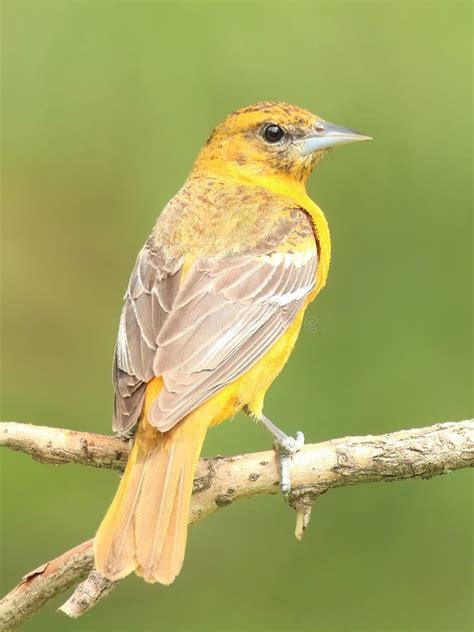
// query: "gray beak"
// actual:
[[328, 135]]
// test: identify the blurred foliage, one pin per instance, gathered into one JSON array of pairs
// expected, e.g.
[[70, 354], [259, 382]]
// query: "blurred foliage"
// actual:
[[104, 107]]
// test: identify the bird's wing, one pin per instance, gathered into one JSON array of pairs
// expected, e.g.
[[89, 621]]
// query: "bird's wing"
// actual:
[[148, 300], [226, 314]]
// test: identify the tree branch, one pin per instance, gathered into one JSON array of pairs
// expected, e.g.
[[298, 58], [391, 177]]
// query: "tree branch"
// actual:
[[419, 453], [43, 584], [57, 446]]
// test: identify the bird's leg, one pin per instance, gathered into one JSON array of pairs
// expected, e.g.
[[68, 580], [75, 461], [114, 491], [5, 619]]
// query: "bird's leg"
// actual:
[[285, 447]]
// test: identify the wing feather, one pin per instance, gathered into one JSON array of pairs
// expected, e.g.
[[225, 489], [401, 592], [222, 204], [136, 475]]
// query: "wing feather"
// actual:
[[148, 301], [203, 333]]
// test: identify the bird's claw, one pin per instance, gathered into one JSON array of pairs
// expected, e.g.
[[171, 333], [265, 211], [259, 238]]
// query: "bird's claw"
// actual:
[[285, 448], [290, 445]]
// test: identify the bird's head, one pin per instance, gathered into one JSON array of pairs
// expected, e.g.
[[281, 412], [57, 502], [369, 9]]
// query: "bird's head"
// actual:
[[271, 140]]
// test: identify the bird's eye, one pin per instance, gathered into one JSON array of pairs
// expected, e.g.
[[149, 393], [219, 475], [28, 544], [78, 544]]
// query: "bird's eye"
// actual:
[[273, 133]]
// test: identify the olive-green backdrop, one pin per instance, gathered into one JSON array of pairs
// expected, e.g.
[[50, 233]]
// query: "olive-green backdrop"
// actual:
[[104, 107]]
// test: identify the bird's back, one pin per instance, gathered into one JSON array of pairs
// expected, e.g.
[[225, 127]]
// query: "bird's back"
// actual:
[[218, 217]]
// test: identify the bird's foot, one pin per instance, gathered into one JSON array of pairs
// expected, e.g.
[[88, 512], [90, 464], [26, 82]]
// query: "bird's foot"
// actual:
[[285, 447]]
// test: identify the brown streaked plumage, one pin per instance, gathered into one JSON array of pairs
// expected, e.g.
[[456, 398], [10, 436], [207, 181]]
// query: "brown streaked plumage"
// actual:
[[211, 314]]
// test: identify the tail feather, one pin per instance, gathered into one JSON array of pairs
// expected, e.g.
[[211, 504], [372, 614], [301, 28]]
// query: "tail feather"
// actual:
[[153, 513], [171, 559], [114, 544], [146, 526]]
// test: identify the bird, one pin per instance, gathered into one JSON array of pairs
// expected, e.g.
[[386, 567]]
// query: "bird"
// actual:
[[212, 311]]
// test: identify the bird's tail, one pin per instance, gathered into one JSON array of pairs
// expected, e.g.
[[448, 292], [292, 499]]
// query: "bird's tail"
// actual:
[[145, 528]]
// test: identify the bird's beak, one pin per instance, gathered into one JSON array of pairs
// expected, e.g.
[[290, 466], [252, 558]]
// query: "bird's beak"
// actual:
[[326, 135]]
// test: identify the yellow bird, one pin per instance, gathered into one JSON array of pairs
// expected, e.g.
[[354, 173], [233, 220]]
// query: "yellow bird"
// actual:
[[211, 314]]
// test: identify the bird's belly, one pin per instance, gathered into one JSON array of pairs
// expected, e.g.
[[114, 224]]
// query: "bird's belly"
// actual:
[[250, 388]]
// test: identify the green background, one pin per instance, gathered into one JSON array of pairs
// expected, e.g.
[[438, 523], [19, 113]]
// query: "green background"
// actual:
[[104, 107]]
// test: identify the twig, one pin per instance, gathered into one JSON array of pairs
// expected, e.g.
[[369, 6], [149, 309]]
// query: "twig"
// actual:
[[419, 453], [87, 594], [43, 584], [57, 446]]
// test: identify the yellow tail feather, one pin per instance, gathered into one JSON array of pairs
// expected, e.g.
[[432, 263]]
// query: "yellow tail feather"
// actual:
[[145, 528]]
